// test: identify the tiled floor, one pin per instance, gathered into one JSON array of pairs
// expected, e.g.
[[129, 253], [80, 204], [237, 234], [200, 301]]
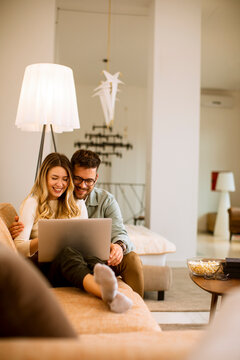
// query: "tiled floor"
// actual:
[[209, 246], [216, 247]]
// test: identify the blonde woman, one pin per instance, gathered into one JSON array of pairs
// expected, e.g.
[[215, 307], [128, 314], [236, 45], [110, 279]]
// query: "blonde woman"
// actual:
[[52, 197]]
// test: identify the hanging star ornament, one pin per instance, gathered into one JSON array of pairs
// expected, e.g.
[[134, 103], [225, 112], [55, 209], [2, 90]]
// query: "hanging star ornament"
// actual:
[[107, 93]]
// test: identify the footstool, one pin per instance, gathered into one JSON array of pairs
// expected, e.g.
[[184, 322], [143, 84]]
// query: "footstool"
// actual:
[[157, 278]]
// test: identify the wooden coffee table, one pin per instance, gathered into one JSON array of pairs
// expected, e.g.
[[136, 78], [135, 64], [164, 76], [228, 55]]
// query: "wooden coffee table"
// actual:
[[216, 288]]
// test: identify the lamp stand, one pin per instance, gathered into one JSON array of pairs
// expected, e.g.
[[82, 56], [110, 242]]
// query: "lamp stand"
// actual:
[[39, 162], [221, 228]]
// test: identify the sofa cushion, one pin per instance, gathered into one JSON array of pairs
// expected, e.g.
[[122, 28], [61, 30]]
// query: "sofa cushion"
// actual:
[[7, 214], [90, 315], [28, 308], [221, 340], [5, 236]]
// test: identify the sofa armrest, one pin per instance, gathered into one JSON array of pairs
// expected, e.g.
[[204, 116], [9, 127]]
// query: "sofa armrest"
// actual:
[[128, 346]]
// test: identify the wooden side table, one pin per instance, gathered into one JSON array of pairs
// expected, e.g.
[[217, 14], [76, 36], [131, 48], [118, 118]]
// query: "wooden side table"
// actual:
[[216, 288]]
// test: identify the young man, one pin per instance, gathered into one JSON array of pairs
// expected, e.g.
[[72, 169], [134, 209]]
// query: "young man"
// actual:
[[100, 203]]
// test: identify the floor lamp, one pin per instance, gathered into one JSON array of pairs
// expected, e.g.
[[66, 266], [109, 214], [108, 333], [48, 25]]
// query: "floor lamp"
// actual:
[[47, 102], [225, 183]]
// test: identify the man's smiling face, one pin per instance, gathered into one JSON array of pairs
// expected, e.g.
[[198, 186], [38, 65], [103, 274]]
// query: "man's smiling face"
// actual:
[[84, 181]]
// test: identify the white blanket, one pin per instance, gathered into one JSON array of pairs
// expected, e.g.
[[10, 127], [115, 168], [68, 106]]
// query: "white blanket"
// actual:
[[147, 242]]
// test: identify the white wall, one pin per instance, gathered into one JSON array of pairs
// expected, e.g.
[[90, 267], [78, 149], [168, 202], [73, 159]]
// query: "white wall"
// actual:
[[175, 123], [84, 54], [130, 121], [219, 150], [26, 37]]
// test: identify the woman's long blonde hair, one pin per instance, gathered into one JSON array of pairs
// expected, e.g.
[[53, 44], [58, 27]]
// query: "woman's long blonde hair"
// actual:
[[67, 206]]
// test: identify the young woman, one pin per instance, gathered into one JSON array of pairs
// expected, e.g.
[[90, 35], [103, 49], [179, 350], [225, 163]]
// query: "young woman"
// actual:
[[52, 197]]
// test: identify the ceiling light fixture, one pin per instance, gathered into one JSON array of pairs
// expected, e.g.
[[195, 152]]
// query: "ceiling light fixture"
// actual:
[[108, 89]]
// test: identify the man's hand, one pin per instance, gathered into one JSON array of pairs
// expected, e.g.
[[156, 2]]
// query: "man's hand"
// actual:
[[16, 228], [116, 255]]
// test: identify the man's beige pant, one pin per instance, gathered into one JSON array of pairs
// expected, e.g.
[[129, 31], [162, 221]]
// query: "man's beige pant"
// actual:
[[131, 271]]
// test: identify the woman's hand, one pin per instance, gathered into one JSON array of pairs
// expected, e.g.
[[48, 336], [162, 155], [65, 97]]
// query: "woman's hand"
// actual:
[[116, 255], [16, 228]]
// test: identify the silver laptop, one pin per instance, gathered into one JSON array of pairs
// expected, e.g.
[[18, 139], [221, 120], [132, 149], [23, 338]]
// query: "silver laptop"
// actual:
[[91, 236]]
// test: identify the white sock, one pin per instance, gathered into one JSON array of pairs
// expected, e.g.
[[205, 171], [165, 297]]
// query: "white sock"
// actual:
[[105, 277], [120, 303]]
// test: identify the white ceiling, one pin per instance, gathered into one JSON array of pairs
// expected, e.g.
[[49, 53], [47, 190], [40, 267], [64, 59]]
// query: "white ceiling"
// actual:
[[82, 32]]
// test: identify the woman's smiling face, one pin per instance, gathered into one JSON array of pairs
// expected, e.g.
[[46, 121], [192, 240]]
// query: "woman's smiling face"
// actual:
[[57, 182]]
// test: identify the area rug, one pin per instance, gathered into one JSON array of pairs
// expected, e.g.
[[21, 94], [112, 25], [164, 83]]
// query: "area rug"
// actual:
[[183, 295]]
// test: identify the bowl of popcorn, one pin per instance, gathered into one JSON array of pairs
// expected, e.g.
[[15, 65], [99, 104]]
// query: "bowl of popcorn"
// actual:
[[204, 267]]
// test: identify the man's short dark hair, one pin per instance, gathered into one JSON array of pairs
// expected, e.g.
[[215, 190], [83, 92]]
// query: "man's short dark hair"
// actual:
[[86, 159]]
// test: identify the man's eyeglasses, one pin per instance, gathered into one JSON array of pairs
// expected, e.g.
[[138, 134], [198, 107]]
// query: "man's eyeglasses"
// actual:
[[78, 180]]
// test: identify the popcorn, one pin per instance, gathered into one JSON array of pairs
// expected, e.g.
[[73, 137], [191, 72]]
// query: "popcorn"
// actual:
[[201, 268]]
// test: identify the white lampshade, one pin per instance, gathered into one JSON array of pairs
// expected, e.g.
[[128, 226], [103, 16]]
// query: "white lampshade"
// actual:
[[48, 97], [225, 181]]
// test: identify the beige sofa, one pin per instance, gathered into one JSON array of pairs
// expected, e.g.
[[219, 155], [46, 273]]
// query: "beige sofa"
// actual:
[[102, 334]]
